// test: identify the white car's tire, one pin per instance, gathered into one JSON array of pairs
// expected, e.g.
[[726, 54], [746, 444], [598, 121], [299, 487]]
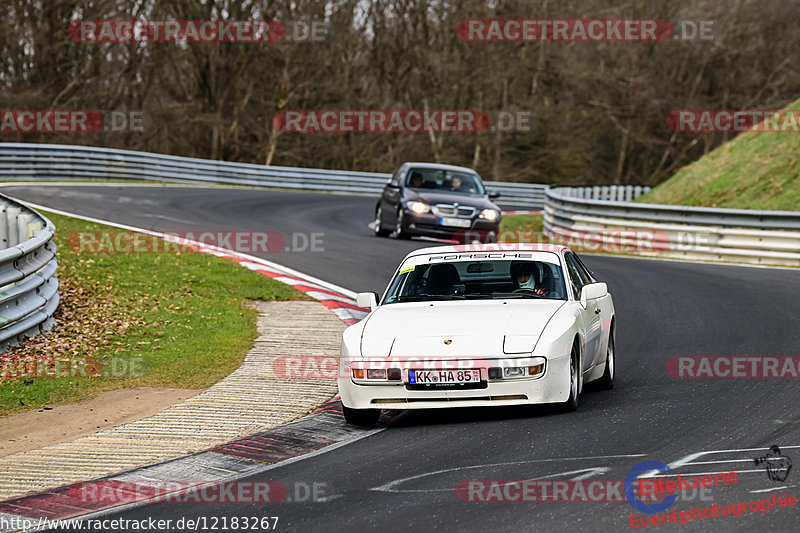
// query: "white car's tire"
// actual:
[[607, 380], [574, 378]]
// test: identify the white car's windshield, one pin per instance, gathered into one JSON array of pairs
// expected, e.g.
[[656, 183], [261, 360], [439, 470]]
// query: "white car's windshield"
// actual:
[[463, 280]]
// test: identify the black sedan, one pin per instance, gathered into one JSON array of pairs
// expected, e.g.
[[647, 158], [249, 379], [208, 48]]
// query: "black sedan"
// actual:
[[436, 201]]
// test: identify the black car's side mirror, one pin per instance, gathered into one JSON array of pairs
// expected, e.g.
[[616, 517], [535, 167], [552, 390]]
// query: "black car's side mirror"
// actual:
[[494, 194]]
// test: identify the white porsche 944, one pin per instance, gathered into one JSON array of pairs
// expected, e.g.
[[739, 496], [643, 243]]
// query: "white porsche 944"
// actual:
[[479, 325]]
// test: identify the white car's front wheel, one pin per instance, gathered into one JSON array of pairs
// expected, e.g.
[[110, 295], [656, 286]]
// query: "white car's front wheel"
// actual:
[[607, 380], [574, 377]]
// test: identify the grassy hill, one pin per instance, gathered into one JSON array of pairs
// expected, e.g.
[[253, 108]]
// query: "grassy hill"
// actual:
[[755, 170]]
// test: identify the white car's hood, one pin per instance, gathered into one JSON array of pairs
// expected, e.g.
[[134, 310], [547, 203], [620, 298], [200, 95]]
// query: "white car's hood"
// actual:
[[475, 328]]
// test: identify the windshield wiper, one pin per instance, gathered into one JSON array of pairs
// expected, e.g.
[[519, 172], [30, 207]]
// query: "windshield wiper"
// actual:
[[424, 297], [517, 295]]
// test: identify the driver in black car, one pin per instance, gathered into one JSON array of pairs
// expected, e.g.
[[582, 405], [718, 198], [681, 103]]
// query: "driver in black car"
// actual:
[[415, 181]]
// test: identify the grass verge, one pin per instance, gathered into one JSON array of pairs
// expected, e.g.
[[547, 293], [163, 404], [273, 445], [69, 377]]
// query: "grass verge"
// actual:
[[522, 223], [755, 170], [136, 319]]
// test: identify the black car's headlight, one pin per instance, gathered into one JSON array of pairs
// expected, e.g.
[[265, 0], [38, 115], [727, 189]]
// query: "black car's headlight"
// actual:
[[489, 214], [419, 208]]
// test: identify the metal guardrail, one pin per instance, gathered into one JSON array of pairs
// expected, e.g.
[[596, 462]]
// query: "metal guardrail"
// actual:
[[606, 193], [699, 233], [28, 285], [48, 162]]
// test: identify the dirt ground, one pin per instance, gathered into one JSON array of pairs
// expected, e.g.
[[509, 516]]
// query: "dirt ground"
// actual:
[[36, 429]]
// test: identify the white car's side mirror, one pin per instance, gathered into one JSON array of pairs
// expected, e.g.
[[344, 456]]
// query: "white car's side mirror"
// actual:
[[592, 292], [367, 299]]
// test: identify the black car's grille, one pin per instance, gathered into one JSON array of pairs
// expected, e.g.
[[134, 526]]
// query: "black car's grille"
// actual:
[[451, 210]]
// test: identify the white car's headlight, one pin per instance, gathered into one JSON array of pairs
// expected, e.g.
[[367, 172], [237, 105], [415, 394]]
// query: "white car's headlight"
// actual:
[[374, 373], [419, 208], [525, 368], [489, 214]]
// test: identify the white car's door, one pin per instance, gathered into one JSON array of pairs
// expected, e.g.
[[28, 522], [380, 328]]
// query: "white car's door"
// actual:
[[591, 315], [604, 311]]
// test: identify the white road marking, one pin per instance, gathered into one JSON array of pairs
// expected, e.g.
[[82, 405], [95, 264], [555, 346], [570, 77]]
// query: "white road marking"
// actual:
[[330, 498], [586, 474], [695, 474], [732, 461], [689, 460], [317, 295], [390, 486], [771, 489], [165, 217]]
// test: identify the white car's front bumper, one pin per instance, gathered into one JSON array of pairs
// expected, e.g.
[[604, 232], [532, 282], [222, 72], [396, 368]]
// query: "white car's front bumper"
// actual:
[[550, 387]]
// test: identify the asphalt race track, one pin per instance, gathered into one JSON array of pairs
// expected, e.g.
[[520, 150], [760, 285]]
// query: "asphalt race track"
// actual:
[[664, 309]]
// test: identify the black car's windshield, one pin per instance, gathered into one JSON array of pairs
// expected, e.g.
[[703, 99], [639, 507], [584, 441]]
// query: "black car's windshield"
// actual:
[[449, 181], [472, 280]]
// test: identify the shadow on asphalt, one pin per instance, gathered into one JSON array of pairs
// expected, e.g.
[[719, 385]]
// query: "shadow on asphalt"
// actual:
[[591, 398]]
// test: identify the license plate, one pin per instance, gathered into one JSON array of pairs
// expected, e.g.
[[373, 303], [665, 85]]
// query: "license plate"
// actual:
[[455, 222], [423, 377]]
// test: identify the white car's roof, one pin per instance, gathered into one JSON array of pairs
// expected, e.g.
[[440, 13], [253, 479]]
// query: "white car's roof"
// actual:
[[492, 247]]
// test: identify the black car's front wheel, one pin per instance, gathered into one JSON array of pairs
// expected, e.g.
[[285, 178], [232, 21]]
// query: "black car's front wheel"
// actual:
[[377, 226], [400, 228]]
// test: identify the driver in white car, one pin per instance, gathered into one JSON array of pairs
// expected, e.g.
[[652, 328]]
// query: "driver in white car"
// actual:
[[526, 280]]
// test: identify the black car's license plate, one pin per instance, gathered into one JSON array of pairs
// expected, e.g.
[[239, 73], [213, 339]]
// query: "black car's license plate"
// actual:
[[455, 222]]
